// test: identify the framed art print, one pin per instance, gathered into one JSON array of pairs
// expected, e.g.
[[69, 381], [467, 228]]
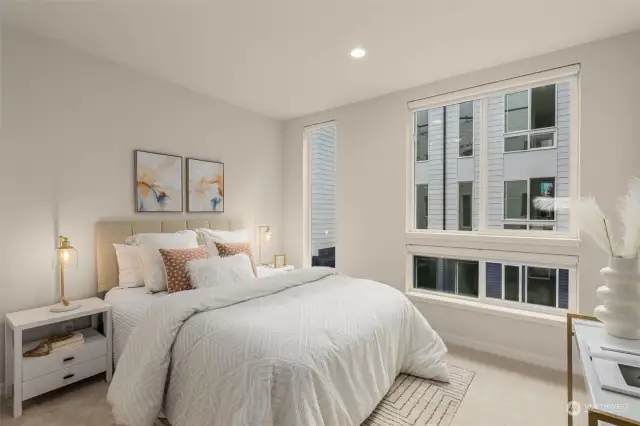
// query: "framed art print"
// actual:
[[279, 260], [158, 185], [205, 186]]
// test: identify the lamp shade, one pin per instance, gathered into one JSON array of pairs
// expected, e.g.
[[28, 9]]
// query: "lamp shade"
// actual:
[[65, 255]]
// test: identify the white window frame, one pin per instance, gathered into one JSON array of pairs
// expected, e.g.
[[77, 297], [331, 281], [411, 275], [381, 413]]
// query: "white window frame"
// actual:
[[504, 280], [514, 238], [306, 187], [473, 133], [556, 262], [534, 248]]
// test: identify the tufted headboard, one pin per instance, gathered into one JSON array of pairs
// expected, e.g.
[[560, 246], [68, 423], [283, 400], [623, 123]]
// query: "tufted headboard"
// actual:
[[115, 232]]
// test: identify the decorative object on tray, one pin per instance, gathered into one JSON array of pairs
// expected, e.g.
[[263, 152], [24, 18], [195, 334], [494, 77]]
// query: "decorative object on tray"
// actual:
[[279, 260], [266, 230], [620, 312], [61, 341], [205, 186], [65, 257], [158, 186]]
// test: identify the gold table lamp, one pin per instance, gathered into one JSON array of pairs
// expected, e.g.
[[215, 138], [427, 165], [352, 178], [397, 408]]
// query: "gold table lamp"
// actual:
[[66, 257]]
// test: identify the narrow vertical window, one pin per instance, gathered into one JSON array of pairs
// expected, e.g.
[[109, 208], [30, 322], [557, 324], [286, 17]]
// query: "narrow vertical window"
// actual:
[[542, 192], [465, 206], [515, 199], [465, 128], [422, 135], [516, 111], [422, 206], [322, 165], [543, 107], [512, 283]]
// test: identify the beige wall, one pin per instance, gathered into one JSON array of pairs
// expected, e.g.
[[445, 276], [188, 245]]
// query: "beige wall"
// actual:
[[71, 123], [371, 183]]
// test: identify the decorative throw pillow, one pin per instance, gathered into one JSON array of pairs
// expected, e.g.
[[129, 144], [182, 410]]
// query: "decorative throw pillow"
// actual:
[[129, 268], [155, 278], [175, 264], [209, 238], [231, 249], [216, 271]]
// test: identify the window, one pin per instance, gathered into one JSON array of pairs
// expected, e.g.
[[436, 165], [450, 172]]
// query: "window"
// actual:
[[542, 189], [422, 212], [465, 129], [532, 285], [465, 205], [530, 119], [422, 136], [320, 143], [512, 283], [500, 158], [515, 199], [447, 275]]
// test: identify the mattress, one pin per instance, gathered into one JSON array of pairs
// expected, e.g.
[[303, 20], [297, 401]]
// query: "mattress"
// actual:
[[129, 306]]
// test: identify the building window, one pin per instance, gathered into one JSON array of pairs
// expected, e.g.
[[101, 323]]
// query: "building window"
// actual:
[[532, 285], [422, 136], [465, 129], [515, 199], [530, 119], [542, 189], [422, 203], [446, 275], [465, 206]]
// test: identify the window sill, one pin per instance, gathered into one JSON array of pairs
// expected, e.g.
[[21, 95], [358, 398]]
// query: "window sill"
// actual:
[[502, 311]]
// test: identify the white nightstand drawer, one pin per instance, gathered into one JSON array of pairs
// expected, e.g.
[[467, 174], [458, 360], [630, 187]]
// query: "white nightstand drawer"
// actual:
[[55, 380], [94, 346]]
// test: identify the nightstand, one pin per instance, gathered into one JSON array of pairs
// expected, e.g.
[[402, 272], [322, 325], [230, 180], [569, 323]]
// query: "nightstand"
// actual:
[[31, 377], [268, 270]]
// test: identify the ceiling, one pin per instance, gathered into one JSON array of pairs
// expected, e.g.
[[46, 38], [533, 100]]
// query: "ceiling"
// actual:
[[288, 58]]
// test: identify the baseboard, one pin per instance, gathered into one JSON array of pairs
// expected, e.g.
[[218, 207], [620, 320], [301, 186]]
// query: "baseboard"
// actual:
[[527, 357]]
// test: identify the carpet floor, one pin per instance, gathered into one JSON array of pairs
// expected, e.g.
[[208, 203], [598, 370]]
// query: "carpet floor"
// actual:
[[503, 393]]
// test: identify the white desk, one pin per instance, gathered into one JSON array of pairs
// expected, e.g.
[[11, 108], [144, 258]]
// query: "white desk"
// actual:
[[610, 407]]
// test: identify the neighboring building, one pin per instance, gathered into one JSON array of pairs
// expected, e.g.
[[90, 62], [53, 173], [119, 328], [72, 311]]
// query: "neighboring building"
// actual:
[[527, 151], [323, 196]]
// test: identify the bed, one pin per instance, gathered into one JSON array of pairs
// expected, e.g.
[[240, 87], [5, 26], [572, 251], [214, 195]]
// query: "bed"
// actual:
[[309, 347]]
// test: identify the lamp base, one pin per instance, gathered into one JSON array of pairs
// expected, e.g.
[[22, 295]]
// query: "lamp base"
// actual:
[[61, 308]]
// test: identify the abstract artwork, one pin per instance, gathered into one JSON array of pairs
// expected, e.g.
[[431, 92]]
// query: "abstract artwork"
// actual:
[[158, 182], [205, 186]]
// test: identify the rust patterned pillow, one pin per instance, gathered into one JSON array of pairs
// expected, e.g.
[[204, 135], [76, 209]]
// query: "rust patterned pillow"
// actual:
[[175, 265], [230, 249]]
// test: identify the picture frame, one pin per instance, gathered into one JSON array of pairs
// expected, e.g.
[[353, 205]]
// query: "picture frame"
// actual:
[[279, 260], [205, 186], [157, 182]]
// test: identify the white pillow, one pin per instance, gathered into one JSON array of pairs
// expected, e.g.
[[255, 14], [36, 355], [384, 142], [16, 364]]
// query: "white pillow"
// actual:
[[129, 269], [211, 236], [155, 277], [215, 271]]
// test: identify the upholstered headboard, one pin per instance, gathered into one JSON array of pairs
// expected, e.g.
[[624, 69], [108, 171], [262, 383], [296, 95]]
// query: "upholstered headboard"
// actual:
[[115, 232]]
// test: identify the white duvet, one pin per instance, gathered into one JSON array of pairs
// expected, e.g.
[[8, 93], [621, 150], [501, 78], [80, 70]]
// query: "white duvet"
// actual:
[[303, 348]]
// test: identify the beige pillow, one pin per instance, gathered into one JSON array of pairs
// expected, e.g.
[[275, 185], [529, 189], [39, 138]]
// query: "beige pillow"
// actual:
[[175, 265], [231, 249]]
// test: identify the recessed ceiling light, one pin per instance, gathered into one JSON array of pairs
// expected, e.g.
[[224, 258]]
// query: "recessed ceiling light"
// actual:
[[358, 52]]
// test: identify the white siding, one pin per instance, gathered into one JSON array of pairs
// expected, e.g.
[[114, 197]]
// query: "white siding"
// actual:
[[436, 156], [495, 161], [452, 151], [563, 96], [323, 188]]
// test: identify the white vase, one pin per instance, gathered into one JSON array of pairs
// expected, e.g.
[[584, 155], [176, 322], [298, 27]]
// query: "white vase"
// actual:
[[621, 296]]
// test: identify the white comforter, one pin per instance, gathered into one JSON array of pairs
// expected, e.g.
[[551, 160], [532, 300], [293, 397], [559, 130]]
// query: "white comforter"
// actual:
[[303, 348]]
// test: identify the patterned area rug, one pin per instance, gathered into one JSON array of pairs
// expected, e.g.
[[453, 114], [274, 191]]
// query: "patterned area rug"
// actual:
[[413, 401]]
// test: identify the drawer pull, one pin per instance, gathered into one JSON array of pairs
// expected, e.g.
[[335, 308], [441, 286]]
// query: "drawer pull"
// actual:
[[71, 358], [68, 376]]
